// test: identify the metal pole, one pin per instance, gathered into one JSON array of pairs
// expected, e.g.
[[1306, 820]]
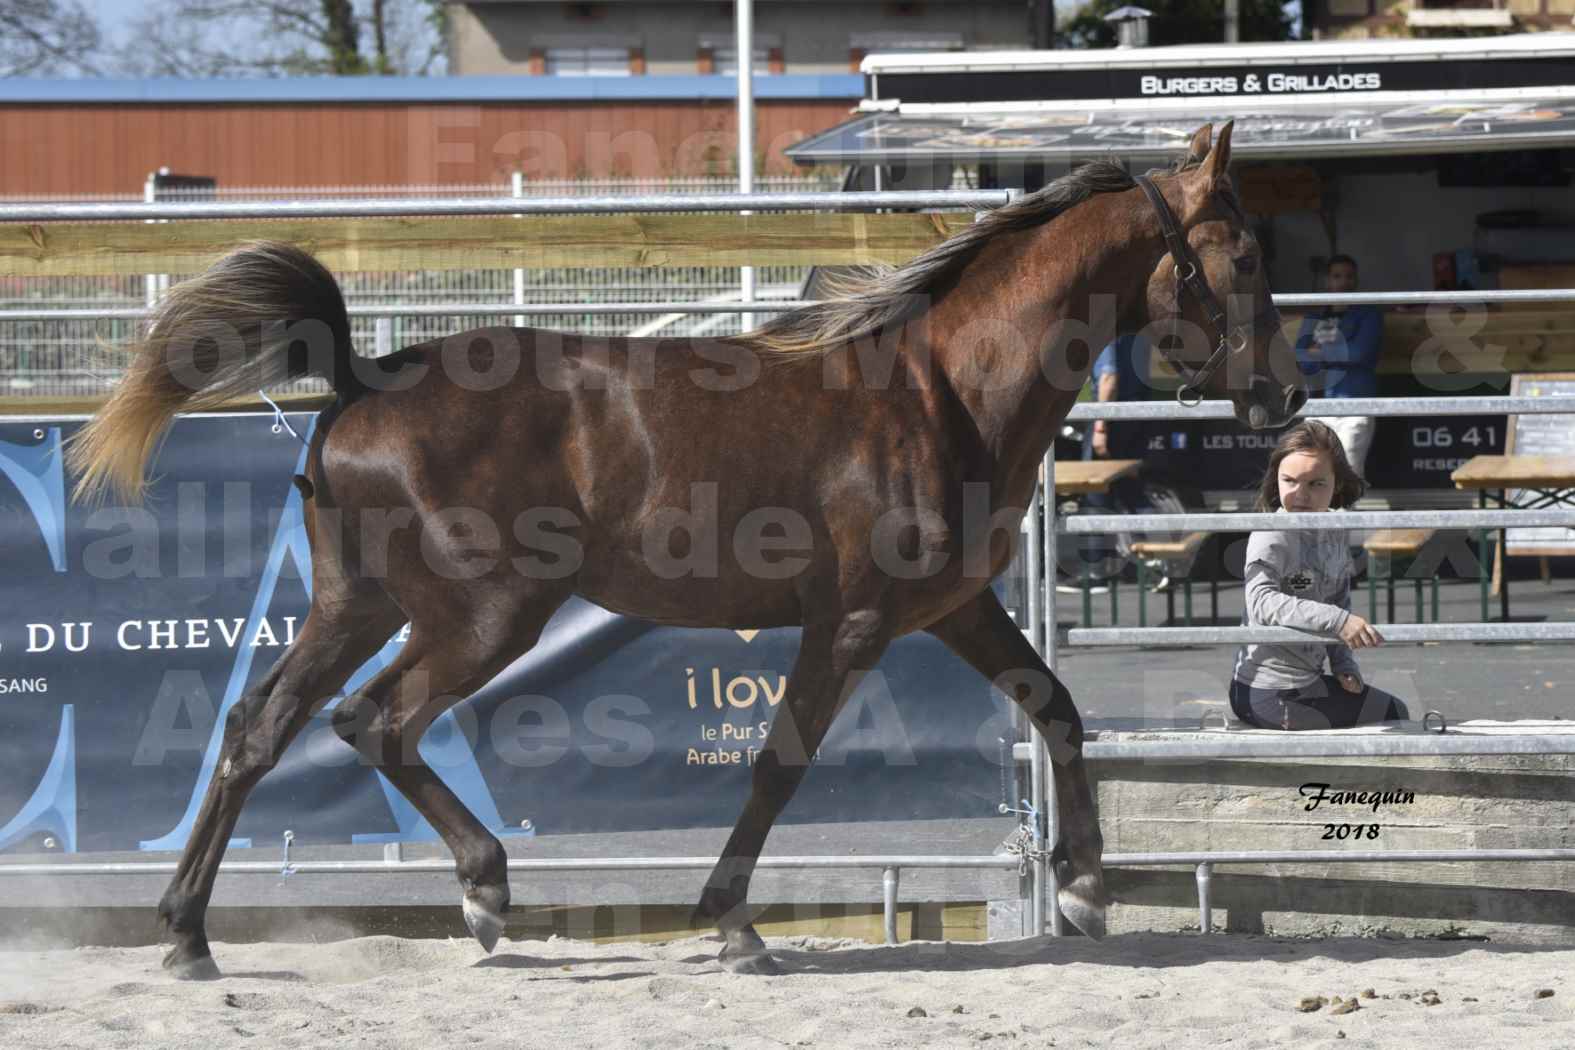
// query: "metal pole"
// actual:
[[382, 337], [106, 313], [1394, 633], [1556, 404], [1205, 906], [744, 11], [986, 863], [369, 866], [150, 282], [1200, 745], [1319, 521], [1117, 410], [1322, 856], [1232, 21], [504, 205], [1046, 886], [888, 883], [1037, 601], [1033, 523], [517, 184]]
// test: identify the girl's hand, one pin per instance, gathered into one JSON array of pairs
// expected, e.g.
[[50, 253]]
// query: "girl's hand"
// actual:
[[1351, 683], [1359, 634]]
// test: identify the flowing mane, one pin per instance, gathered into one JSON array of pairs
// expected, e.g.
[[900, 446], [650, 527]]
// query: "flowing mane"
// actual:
[[867, 299]]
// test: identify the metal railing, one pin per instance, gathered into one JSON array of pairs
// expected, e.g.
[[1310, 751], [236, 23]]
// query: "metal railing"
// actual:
[[56, 350], [1127, 410], [1205, 862], [1042, 557], [763, 306], [1043, 629], [1200, 744], [1398, 633], [890, 866], [351, 208]]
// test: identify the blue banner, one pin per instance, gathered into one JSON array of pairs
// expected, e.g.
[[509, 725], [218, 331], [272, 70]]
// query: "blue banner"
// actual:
[[128, 633]]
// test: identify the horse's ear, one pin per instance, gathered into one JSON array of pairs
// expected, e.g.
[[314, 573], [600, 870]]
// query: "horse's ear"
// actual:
[[1199, 149], [1208, 173], [1217, 164]]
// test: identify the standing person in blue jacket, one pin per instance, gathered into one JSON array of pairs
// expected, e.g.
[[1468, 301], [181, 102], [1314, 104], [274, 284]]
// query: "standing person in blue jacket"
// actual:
[[1121, 373], [1302, 579], [1338, 348]]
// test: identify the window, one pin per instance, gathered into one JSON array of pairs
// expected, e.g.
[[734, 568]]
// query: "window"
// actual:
[[903, 42], [588, 61], [718, 53], [725, 60]]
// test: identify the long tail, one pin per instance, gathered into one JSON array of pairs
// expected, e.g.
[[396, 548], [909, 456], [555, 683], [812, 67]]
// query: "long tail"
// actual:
[[262, 314]]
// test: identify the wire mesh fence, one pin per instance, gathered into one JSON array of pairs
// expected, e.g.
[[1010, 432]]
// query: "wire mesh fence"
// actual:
[[81, 358]]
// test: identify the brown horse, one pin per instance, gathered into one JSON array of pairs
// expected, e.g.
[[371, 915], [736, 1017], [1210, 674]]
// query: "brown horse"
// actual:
[[889, 441]]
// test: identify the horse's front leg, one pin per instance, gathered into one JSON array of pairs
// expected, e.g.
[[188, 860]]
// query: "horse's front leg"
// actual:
[[984, 634], [831, 661], [258, 729]]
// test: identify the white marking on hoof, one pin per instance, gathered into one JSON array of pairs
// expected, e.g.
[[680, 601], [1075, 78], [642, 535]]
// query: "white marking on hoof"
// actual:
[[1077, 903], [486, 926]]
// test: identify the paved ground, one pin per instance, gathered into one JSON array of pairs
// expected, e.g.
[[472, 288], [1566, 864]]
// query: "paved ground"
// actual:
[[1117, 686]]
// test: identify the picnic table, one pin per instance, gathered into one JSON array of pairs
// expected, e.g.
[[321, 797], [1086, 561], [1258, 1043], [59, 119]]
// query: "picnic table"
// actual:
[[1537, 482]]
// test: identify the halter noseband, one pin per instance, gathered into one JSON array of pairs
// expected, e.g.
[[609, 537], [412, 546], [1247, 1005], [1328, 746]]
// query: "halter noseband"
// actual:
[[1227, 337]]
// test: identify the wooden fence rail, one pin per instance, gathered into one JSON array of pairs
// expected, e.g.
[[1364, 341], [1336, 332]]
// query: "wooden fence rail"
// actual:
[[504, 242]]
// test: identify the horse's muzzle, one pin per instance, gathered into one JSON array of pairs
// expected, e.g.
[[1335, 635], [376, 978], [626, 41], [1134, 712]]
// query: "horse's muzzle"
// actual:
[[1271, 406]]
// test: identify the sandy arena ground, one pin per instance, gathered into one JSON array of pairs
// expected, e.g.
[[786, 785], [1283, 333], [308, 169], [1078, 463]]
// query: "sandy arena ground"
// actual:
[[1133, 991]]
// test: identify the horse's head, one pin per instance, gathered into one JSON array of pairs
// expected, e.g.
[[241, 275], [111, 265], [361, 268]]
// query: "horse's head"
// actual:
[[1208, 295]]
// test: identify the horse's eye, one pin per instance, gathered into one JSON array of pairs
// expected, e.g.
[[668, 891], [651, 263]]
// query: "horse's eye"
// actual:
[[1247, 264]]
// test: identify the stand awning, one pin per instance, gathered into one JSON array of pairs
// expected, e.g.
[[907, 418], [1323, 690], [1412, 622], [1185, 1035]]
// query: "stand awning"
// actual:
[[1307, 128]]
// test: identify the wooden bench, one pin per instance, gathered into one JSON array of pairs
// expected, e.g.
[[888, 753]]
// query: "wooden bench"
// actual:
[[1383, 547], [1178, 556]]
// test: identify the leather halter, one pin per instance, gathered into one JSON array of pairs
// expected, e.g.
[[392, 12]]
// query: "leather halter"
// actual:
[[1227, 337]]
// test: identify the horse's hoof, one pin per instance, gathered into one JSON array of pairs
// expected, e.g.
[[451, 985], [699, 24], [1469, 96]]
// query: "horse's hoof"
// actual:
[[759, 964], [1078, 905], [485, 924], [187, 968]]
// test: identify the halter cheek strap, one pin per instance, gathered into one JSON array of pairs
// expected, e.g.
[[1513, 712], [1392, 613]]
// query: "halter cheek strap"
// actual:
[[1189, 277]]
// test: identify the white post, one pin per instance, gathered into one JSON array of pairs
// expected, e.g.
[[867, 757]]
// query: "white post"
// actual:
[[382, 336], [744, 24], [519, 275], [1233, 21], [150, 281], [1045, 776]]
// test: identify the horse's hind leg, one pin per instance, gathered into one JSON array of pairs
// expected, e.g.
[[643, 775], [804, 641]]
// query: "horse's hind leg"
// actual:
[[384, 721], [331, 645], [824, 675], [984, 634]]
